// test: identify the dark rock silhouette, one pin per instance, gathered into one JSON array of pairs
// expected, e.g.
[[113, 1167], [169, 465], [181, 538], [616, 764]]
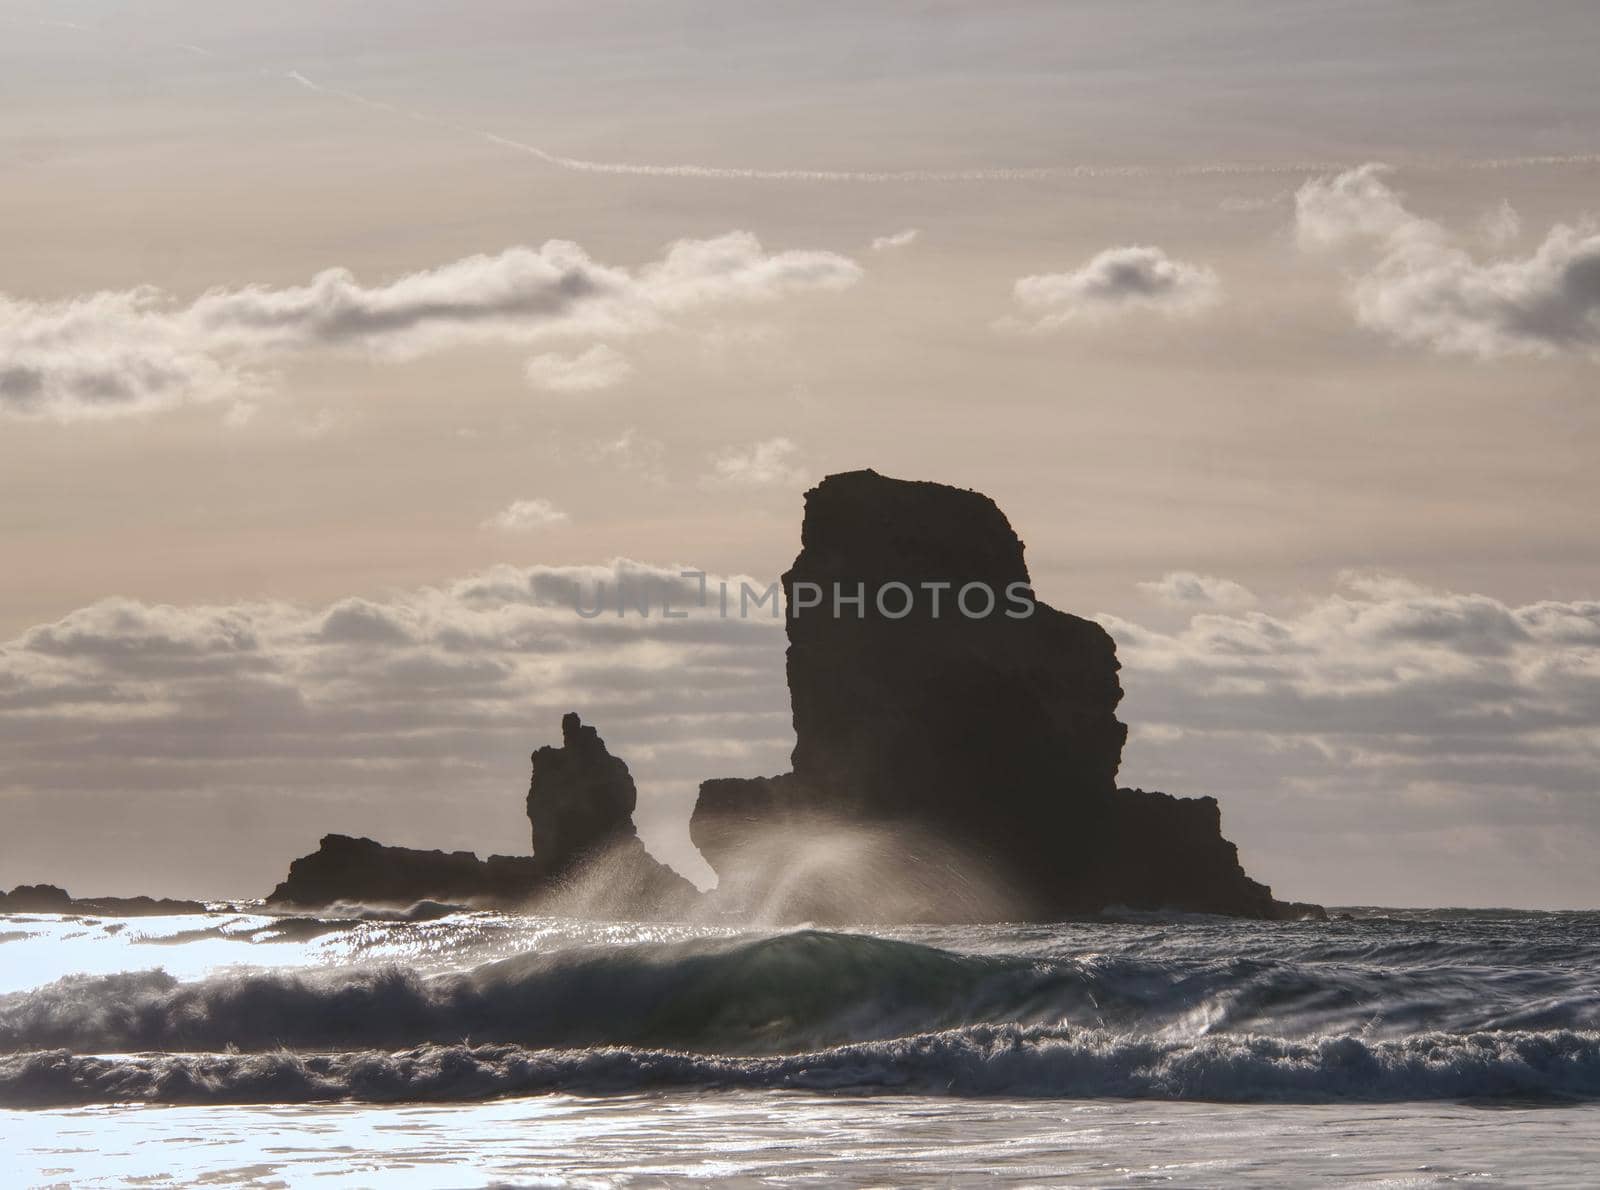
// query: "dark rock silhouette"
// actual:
[[364, 871], [580, 805], [943, 702], [580, 796], [587, 854], [956, 755], [36, 898], [47, 898]]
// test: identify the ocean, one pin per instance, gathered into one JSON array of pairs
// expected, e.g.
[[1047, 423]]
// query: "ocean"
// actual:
[[445, 1048]]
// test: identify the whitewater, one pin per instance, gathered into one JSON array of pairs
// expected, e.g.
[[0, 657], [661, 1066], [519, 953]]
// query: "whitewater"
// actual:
[[443, 1047]]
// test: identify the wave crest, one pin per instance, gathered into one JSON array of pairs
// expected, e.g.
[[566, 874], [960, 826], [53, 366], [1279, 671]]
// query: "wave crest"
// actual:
[[784, 993], [973, 1061]]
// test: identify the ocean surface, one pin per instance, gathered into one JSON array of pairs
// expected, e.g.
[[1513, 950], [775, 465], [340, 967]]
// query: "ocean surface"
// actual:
[[446, 1048]]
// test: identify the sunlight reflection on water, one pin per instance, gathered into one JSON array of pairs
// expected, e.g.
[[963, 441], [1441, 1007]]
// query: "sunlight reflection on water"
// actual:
[[796, 1138], [40, 948]]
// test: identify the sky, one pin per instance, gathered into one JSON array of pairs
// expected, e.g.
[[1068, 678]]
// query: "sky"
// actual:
[[341, 345]]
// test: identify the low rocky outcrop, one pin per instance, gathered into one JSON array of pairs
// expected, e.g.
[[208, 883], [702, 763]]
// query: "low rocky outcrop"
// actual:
[[587, 854], [934, 696], [47, 898], [364, 871]]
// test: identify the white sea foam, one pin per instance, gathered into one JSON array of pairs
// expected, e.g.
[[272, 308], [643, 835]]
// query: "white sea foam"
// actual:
[[971, 1061]]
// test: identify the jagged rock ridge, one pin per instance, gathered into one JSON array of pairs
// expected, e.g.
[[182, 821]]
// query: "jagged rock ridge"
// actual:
[[364, 871], [587, 853]]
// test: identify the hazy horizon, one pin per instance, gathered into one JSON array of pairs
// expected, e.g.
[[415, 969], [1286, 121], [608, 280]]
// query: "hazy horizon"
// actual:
[[337, 343]]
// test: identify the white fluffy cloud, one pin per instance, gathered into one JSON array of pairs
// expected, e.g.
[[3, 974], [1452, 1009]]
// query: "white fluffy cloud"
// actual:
[[1138, 277], [591, 370], [117, 353], [522, 515], [1184, 588], [771, 463], [899, 239], [1423, 288], [1357, 205]]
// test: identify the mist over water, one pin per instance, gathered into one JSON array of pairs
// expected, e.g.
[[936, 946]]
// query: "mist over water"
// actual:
[[842, 873]]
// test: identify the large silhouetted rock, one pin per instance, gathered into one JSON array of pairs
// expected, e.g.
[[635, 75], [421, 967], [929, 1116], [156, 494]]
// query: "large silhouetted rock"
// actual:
[[915, 714], [931, 694], [956, 755]]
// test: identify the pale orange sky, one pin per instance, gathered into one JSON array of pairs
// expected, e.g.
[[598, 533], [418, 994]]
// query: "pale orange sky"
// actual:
[[1276, 434]]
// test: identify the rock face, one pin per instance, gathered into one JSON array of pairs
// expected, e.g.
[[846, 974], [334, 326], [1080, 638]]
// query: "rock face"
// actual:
[[948, 701], [580, 798], [36, 898], [47, 898], [588, 857], [364, 871], [580, 805]]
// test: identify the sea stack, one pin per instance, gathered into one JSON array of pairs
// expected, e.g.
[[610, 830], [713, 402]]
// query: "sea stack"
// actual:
[[587, 856], [934, 696], [580, 805], [580, 798]]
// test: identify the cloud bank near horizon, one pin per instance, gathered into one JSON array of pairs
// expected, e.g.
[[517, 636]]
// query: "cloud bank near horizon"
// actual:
[[1456, 723], [1455, 729]]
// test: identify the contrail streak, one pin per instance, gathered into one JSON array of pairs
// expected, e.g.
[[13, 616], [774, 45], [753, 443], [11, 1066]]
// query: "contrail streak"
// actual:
[[989, 174]]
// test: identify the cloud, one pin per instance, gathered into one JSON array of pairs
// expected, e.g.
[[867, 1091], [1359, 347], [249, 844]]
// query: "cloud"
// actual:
[[590, 370], [735, 267], [1500, 225], [762, 464], [1357, 205], [102, 355], [1382, 719], [1379, 585], [1184, 588], [899, 239], [118, 353], [1423, 288], [632, 452], [1116, 281], [522, 515]]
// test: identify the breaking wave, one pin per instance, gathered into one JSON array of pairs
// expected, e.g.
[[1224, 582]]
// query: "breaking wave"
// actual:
[[977, 1060], [1368, 1010], [723, 995]]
